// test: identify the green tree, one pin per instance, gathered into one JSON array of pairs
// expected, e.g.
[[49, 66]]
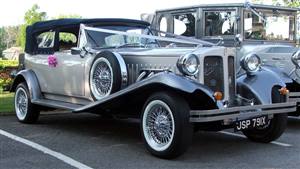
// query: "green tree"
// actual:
[[292, 3], [289, 3], [2, 44], [67, 37], [10, 36], [32, 16], [61, 16]]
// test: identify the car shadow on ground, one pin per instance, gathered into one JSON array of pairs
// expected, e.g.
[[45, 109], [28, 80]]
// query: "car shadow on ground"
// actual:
[[205, 146], [293, 123], [91, 125]]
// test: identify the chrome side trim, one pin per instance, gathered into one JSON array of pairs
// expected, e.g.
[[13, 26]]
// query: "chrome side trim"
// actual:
[[135, 71], [141, 76], [241, 112], [123, 68]]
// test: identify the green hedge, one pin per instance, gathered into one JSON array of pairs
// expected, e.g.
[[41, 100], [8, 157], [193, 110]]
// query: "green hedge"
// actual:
[[8, 63], [5, 79]]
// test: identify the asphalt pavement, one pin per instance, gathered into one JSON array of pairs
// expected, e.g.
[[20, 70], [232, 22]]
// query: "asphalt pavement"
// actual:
[[66, 140]]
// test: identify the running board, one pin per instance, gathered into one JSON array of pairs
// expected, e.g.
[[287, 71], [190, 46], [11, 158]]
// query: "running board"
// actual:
[[56, 104]]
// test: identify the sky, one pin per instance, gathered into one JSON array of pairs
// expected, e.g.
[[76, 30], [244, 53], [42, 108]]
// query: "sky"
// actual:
[[12, 11]]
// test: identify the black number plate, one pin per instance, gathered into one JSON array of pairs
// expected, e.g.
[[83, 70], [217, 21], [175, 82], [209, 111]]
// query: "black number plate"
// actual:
[[251, 123]]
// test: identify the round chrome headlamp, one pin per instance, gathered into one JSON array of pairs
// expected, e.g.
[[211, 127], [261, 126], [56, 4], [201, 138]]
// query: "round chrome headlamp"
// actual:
[[296, 58], [188, 64], [251, 63]]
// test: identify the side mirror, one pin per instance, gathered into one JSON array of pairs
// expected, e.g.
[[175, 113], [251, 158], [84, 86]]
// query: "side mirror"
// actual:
[[75, 51]]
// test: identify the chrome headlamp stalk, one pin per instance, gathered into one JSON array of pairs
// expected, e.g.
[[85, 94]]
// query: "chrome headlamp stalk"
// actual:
[[251, 63], [188, 64]]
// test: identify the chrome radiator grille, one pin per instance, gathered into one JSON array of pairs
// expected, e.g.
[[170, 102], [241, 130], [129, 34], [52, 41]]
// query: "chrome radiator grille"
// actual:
[[219, 75], [214, 73]]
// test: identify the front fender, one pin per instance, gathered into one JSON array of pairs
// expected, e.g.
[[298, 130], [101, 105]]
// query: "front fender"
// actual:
[[260, 84], [31, 80], [140, 91], [279, 73]]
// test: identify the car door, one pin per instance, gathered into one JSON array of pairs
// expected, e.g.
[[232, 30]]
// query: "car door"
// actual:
[[58, 72], [69, 69], [38, 61], [70, 74]]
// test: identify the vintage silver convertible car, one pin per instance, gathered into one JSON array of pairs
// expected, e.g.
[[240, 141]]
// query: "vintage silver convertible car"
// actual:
[[264, 30], [117, 67]]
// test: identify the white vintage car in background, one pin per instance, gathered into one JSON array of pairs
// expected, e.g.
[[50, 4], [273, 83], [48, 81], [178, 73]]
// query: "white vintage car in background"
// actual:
[[173, 85], [267, 31]]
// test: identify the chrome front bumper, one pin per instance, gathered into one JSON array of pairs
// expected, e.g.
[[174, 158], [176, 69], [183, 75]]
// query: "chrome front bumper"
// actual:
[[241, 112]]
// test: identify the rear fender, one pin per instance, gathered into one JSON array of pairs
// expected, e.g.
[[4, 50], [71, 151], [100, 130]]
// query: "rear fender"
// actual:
[[31, 80]]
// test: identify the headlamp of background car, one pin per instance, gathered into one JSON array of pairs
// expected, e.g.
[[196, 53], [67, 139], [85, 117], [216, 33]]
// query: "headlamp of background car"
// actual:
[[296, 59], [251, 63], [188, 64]]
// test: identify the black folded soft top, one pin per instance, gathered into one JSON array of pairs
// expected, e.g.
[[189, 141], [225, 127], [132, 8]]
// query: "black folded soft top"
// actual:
[[72, 25]]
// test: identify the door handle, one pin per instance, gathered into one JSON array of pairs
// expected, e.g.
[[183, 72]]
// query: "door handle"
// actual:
[[277, 58]]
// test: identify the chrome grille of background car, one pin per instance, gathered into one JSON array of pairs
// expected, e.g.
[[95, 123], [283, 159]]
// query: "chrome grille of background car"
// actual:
[[231, 77], [214, 73]]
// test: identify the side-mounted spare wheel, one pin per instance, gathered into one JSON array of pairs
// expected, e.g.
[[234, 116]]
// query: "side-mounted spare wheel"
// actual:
[[165, 125], [275, 126], [105, 75], [26, 112]]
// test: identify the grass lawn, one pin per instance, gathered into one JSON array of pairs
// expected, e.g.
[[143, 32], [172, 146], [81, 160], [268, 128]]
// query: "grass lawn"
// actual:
[[6, 102]]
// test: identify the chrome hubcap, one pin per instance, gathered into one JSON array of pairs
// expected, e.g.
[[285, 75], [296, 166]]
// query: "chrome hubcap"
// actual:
[[21, 103], [101, 79], [158, 125]]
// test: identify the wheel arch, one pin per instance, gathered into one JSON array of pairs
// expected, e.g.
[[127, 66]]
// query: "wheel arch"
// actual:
[[119, 69], [256, 86], [29, 77]]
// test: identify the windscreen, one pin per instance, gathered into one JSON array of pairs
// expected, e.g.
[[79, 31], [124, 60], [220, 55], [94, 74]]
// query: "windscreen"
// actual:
[[220, 23], [132, 37], [269, 25]]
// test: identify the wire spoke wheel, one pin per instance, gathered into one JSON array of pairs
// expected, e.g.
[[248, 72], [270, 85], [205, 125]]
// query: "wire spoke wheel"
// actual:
[[165, 125], [21, 103], [101, 78], [26, 112], [158, 125]]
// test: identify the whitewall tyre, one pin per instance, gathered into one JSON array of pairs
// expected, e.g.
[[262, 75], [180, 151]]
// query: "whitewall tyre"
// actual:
[[105, 75], [26, 112], [165, 125]]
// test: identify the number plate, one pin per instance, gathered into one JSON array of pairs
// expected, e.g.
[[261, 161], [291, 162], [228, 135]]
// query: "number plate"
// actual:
[[251, 123]]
